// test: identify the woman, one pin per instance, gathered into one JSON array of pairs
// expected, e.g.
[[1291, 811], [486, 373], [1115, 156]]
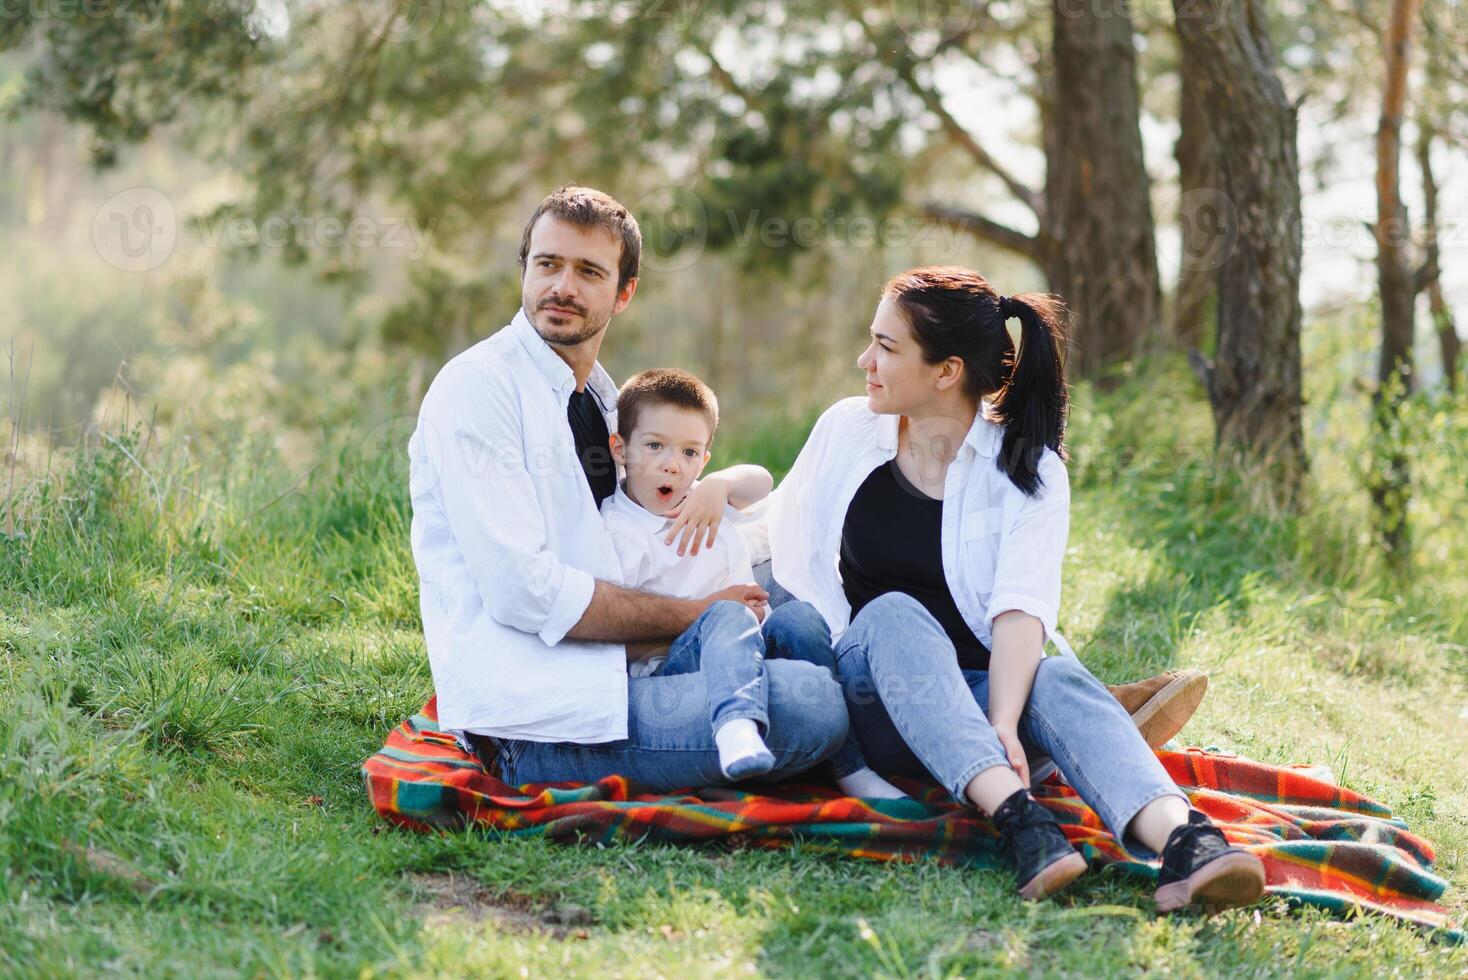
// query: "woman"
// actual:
[[927, 523]]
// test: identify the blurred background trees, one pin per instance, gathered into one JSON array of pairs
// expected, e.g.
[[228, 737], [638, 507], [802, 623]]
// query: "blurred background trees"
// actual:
[[343, 184]]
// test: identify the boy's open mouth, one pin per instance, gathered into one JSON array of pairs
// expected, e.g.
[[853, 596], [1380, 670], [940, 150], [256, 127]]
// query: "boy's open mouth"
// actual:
[[665, 492]]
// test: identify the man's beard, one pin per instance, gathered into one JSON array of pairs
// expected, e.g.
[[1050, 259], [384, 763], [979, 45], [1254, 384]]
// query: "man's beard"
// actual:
[[591, 324]]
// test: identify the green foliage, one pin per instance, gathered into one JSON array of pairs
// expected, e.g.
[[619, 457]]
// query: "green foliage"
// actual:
[[209, 617], [192, 688], [772, 443], [125, 69], [450, 114]]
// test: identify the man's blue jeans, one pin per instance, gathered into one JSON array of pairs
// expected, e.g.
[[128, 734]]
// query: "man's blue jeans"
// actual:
[[915, 713], [671, 715]]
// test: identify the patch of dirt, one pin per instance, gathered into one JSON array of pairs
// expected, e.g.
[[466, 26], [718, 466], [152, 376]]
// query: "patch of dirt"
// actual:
[[454, 898], [109, 865]]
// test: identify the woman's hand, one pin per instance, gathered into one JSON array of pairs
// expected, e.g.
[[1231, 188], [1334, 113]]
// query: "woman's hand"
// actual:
[[1014, 752], [697, 515], [1018, 639]]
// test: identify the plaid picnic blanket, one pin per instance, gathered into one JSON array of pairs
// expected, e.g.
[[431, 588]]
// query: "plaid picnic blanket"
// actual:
[[1322, 845]]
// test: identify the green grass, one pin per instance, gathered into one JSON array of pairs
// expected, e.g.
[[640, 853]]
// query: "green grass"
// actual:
[[196, 662]]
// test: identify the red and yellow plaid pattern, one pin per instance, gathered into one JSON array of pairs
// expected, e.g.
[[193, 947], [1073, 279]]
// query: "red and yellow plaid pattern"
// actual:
[[1322, 845]]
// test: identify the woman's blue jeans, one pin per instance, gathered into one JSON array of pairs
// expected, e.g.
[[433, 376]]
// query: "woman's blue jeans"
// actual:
[[914, 712]]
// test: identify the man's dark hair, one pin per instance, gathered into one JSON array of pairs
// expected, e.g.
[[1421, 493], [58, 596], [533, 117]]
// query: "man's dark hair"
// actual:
[[664, 386], [586, 207]]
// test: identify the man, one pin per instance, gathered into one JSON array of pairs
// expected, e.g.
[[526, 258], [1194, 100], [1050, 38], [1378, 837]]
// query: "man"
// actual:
[[524, 622]]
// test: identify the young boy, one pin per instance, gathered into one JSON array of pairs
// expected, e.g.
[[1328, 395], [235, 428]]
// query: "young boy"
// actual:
[[666, 420]]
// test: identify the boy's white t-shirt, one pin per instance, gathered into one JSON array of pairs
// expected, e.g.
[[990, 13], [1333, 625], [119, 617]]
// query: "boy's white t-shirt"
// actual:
[[652, 566]]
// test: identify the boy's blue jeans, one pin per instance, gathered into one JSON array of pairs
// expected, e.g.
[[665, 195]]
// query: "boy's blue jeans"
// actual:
[[716, 671], [914, 712]]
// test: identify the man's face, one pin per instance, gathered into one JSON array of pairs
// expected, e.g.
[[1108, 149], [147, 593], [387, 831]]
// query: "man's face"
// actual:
[[569, 287], [667, 452]]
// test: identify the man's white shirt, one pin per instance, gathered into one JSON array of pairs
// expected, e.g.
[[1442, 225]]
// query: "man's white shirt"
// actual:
[[508, 543]]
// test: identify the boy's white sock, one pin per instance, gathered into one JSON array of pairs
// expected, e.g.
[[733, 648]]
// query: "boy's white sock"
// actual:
[[742, 753], [869, 785]]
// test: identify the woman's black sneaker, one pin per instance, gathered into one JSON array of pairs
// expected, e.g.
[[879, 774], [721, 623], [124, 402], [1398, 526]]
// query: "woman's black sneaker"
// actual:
[[1199, 867], [1044, 861]]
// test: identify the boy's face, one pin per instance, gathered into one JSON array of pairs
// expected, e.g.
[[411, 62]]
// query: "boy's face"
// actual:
[[666, 453]]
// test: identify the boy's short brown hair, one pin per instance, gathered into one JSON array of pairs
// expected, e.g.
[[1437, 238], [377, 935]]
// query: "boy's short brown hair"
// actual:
[[587, 207], [664, 386]]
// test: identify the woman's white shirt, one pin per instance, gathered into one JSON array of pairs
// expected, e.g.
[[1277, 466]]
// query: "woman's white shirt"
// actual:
[[1002, 549]]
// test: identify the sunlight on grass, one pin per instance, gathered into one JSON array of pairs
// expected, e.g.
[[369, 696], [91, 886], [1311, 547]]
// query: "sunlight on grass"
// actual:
[[193, 687]]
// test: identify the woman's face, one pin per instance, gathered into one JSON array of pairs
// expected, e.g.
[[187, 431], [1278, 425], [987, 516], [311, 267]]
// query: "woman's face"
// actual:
[[899, 380]]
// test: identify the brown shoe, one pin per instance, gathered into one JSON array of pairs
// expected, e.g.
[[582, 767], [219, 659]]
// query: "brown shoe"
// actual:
[[1160, 706]]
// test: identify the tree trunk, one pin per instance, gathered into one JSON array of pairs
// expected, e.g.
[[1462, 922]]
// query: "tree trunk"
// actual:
[[1442, 315], [1100, 252], [1390, 478], [1095, 241], [1198, 217], [1448, 341], [1253, 381]]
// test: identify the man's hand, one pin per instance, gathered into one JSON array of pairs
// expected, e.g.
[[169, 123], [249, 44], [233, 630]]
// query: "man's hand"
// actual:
[[1014, 752], [750, 595], [697, 515]]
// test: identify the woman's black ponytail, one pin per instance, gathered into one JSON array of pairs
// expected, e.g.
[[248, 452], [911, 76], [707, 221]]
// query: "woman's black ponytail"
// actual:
[[954, 312], [1033, 404]]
